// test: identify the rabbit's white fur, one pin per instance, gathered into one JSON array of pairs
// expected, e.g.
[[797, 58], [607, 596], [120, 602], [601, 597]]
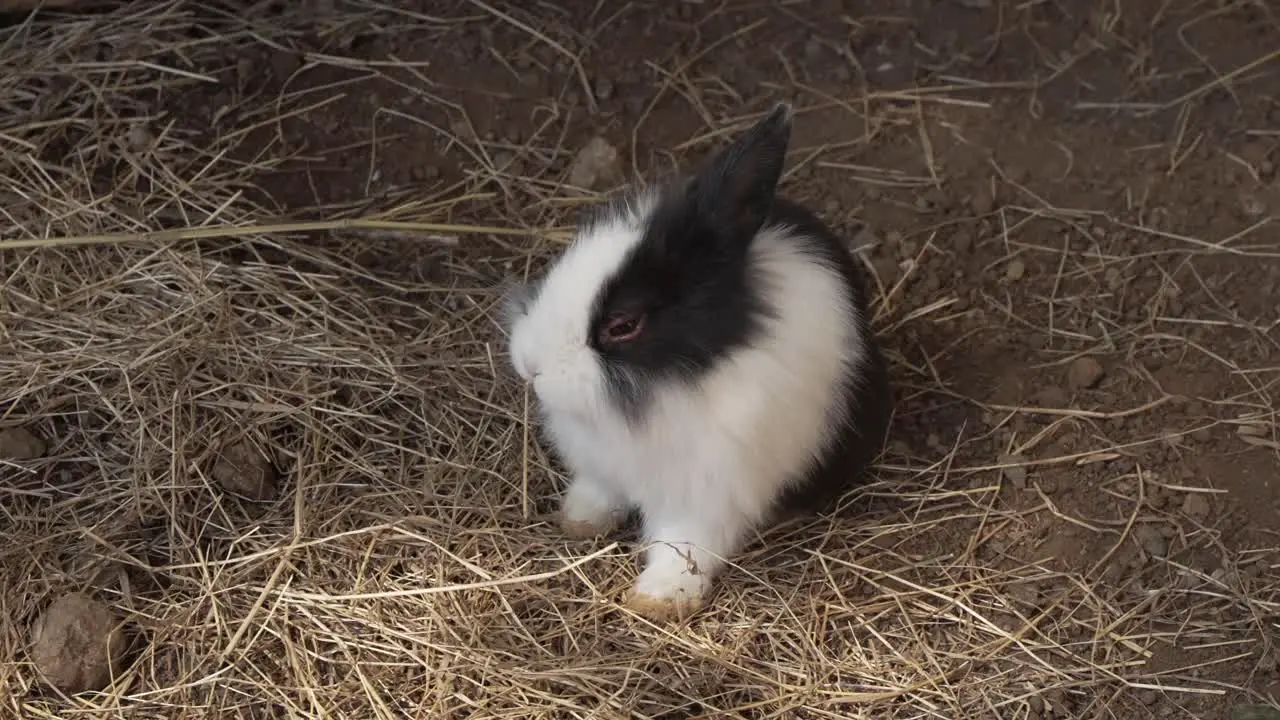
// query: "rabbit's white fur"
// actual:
[[704, 463]]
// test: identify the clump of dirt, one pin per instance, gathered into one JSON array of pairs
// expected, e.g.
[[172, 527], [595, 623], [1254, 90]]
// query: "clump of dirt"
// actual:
[[595, 166], [19, 443], [240, 468], [78, 644], [1084, 373]]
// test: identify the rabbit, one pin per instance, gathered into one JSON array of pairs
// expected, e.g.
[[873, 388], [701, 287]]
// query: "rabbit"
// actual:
[[701, 352]]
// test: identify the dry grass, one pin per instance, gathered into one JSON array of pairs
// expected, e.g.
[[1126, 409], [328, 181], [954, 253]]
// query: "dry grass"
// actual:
[[153, 308]]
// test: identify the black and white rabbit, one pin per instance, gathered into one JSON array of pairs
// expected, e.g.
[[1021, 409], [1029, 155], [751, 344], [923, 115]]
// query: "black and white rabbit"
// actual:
[[702, 352]]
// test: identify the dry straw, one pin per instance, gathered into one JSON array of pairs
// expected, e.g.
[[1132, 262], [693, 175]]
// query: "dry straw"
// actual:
[[154, 307]]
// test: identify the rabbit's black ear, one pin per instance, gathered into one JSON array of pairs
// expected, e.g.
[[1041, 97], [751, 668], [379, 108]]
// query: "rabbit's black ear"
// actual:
[[735, 189]]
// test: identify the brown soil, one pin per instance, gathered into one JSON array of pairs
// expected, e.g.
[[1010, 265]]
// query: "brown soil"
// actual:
[[1094, 149], [1074, 239]]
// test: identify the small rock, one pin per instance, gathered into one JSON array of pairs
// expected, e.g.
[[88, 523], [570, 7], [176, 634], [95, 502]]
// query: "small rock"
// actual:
[[77, 644], [1252, 206], [1014, 271], [1196, 505], [503, 159], [1148, 697], [595, 165], [1201, 434], [139, 138], [1151, 540], [1016, 473], [1084, 373], [1114, 278], [19, 443], [462, 130], [242, 470]]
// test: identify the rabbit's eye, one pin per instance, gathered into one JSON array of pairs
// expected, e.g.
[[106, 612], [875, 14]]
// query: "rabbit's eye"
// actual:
[[621, 328]]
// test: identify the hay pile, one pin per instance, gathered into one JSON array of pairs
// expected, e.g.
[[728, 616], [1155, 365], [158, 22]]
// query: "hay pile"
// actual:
[[402, 565]]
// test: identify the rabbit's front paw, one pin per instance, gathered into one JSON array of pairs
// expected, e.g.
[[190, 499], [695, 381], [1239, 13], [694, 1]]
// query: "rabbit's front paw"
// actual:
[[589, 509], [670, 589]]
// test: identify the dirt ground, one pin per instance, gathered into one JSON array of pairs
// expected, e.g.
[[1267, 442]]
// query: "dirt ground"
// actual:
[[1069, 210]]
